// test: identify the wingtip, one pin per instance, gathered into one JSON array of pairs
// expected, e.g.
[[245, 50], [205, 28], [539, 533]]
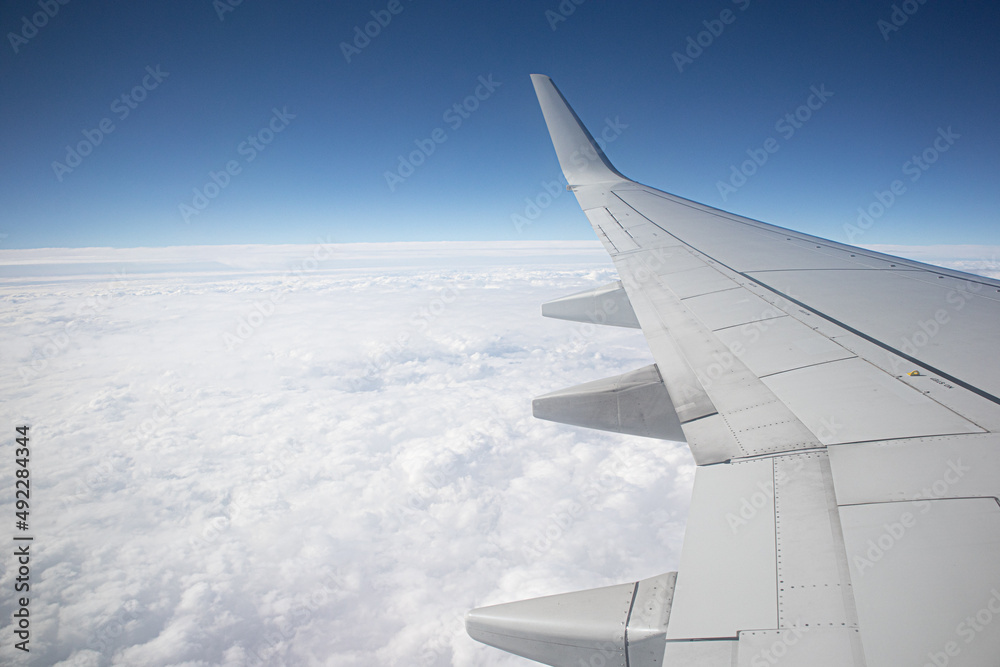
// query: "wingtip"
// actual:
[[582, 159]]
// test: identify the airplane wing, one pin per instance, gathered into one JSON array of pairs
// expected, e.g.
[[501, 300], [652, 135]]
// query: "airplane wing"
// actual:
[[843, 407]]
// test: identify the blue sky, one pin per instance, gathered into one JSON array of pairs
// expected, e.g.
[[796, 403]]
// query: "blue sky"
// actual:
[[206, 89]]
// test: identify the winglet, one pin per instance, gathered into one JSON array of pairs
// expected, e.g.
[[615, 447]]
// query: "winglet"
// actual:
[[582, 160]]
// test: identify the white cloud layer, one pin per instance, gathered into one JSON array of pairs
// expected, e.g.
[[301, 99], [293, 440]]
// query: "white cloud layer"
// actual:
[[314, 455], [243, 457]]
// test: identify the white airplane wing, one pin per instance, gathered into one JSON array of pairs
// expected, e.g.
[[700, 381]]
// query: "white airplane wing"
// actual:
[[843, 407]]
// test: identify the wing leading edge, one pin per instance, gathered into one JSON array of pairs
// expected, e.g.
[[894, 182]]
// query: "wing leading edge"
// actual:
[[842, 407]]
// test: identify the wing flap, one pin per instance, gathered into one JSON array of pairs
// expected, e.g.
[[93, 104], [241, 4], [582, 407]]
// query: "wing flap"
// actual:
[[927, 580], [921, 525], [800, 646], [917, 469], [814, 585], [712, 653], [727, 580]]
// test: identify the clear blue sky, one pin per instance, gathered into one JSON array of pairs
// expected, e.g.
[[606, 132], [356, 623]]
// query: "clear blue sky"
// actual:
[[220, 76]]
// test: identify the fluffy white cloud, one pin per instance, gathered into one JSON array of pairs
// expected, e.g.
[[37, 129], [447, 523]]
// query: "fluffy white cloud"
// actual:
[[246, 456], [314, 455]]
